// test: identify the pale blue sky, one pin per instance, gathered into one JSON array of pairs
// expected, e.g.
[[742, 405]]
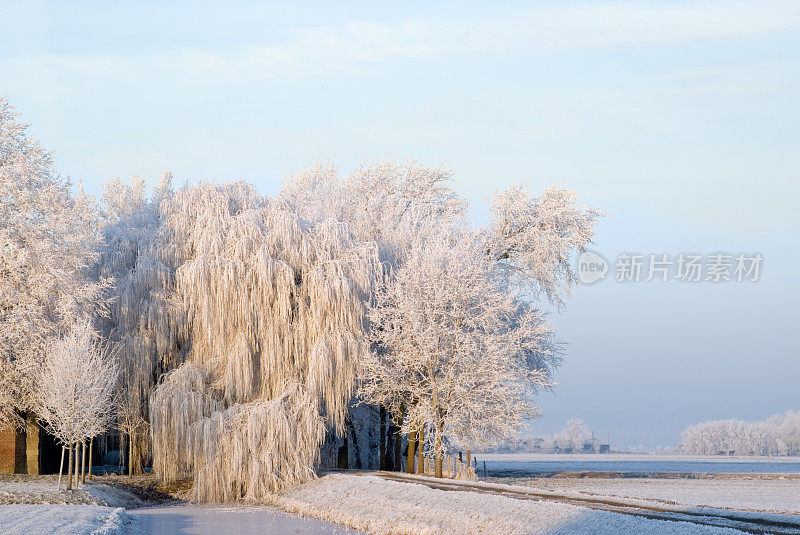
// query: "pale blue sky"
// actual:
[[681, 119]]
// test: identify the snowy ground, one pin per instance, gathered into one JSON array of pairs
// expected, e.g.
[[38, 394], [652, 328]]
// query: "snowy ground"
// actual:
[[763, 495], [376, 505], [239, 520], [32, 505], [24, 489], [61, 520]]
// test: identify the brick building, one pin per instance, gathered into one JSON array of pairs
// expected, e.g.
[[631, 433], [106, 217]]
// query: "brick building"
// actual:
[[28, 451]]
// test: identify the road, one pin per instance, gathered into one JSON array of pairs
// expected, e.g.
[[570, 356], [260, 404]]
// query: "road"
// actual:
[[222, 520]]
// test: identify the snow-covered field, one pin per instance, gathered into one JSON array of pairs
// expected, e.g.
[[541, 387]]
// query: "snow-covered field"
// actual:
[[375, 505], [634, 457], [758, 495], [538, 463]]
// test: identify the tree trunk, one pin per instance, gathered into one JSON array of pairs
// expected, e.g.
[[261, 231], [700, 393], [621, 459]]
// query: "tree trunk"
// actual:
[[420, 448], [61, 466], [78, 468], [398, 441], [355, 444], [412, 441], [438, 450], [83, 462], [91, 447], [130, 454], [77, 472], [69, 467], [383, 439]]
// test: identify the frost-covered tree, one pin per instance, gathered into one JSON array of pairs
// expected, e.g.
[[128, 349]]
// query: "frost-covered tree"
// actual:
[[534, 238], [452, 343], [385, 203], [274, 306], [48, 239], [144, 323], [74, 389], [242, 318], [575, 437]]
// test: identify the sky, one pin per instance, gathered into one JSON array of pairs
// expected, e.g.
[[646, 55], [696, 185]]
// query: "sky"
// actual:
[[680, 119]]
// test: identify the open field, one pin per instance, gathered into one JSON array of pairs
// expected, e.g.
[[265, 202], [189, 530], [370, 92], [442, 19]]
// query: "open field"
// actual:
[[623, 465], [752, 494]]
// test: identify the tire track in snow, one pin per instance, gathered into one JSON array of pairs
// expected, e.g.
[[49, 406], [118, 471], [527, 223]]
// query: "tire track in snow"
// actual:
[[714, 518]]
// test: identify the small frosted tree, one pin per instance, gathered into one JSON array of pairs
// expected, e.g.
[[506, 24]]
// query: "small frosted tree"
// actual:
[[453, 344], [574, 436], [75, 386]]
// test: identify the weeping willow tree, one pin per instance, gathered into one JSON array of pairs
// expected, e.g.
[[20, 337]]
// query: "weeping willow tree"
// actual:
[[274, 308]]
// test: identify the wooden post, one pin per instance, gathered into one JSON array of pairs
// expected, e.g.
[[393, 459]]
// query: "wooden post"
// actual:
[[420, 448], [61, 466], [484, 468], [412, 442], [91, 447]]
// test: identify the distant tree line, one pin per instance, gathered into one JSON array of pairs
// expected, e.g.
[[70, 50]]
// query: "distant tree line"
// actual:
[[777, 435], [575, 437]]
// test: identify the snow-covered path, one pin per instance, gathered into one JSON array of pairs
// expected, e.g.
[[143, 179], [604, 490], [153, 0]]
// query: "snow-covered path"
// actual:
[[219, 520]]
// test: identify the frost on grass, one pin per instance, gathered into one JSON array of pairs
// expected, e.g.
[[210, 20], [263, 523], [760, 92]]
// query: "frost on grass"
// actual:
[[29, 489], [378, 506]]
